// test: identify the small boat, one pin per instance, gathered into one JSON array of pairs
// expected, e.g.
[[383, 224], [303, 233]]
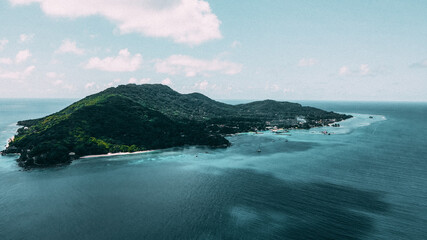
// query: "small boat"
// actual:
[[259, 149]]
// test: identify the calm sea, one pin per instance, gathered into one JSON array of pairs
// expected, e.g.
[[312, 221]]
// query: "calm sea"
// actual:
[[367, 180]]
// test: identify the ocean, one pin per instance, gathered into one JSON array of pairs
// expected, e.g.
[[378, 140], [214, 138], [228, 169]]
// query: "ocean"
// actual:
[[367, 180]]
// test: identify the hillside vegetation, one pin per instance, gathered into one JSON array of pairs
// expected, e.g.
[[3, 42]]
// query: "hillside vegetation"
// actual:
[[133, 117]]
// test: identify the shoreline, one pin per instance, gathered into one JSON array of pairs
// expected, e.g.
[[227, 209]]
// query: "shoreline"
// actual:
[[146, 151], [9, 140], [293, 128], [115, 154]]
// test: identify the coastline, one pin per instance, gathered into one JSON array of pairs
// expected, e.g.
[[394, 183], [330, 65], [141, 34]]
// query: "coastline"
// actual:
[[115, 154], [9, 140], [146, 151]]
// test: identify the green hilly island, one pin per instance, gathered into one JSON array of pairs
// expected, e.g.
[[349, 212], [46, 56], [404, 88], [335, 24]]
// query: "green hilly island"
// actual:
[[131, 118]]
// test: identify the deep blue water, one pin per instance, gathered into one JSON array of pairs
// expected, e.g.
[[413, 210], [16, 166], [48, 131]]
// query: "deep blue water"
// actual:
[[368, 180]]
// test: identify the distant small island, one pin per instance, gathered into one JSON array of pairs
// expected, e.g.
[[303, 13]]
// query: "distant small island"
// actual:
[[131, 118]]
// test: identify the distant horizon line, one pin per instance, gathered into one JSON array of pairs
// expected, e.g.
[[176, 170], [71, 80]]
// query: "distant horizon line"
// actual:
[[236, 99]]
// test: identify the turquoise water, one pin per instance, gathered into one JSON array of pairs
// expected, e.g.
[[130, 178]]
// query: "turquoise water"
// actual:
[[367, 180]]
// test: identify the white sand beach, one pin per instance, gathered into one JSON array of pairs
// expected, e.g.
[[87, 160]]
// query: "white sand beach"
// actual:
[[116, 154]]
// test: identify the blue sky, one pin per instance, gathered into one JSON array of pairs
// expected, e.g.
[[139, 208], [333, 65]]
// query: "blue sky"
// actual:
[[284, 50]]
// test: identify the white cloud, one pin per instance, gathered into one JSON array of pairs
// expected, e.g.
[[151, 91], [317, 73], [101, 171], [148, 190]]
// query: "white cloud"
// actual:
[[133, 80], [69, 46], [89, 85], [17, 75], [54, 75], [272, 87], [190, 67], [167, 81], [277, 89], [344, 70], [184, 21], [25, 37], [145, 80], [51, 75], [114, 82], [57, 82], [421, 64], [235, 44], [201, 85], [22, 56], [6, 61], [3, 43], [60, 83], [307, 62], [124, 62], [141, 81], [364, 69], [287, 90], [29, 69], [68, 86]]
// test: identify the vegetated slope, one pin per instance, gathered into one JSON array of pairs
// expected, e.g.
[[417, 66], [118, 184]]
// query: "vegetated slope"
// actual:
[[171, 103], [111, 123], [138, 117], [270, 109]]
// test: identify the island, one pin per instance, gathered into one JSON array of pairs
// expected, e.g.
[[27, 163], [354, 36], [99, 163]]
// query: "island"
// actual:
[[131, 118]]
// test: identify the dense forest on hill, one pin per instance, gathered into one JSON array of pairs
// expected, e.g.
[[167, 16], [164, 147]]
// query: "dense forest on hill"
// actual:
[[133, 117]]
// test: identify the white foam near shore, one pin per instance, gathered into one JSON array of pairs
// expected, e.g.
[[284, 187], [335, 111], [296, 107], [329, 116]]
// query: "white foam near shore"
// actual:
[[116, 154], [346, 126], [9, 141], [358, 120]]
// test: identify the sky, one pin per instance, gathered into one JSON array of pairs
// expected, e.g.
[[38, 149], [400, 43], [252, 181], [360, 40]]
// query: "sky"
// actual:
[[372, 50]]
